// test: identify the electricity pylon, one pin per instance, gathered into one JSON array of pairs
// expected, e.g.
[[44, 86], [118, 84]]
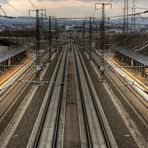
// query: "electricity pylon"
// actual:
[[38, 26], [102, 39]]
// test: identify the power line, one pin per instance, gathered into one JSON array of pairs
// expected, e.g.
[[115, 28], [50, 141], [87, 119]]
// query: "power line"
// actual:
[[14, 7], [102, 38], [38, 25], [3, 11], [32, 4], [133, 18], [126, 17], [93, 13]]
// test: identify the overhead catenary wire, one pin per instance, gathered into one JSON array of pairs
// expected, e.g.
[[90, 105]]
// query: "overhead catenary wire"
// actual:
[[3, 10], [15, 8], [93, 13], [32, 4]]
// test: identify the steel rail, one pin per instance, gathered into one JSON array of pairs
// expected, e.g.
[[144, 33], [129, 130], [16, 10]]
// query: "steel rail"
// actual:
[[36, 138], [110, 143], [123, 81], [22, 75], [105, 130], [136, 96], [25, 85], [55, 136], [88, 132]]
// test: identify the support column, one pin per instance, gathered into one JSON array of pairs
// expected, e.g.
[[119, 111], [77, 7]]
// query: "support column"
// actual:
[[9, 62]]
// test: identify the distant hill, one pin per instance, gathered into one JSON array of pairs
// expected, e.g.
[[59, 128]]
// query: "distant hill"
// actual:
[[26, 20], [18, 20]]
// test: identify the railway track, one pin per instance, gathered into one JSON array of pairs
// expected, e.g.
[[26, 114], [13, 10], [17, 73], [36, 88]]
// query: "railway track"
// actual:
[[97, 128], [49, 129], [134, 99], [12, 98], [21, 105], [47, 132]]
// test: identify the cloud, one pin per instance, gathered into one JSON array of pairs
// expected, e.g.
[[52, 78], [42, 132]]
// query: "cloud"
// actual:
[[73, 8], [79, 0]]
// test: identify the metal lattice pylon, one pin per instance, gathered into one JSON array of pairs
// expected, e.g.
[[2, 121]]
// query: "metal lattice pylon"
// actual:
[[125, 23], [133, 19]]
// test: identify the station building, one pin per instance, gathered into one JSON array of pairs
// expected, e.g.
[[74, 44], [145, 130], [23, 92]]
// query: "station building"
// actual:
[[137, 61]]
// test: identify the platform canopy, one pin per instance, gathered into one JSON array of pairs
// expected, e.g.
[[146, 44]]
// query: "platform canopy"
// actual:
[[133, 55], [10, 53]]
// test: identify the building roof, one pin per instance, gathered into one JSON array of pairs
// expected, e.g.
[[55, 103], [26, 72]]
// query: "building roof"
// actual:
[[10, 53], [133, 55]]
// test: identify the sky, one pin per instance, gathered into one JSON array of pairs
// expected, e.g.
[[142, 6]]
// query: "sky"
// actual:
[[67, 8]]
